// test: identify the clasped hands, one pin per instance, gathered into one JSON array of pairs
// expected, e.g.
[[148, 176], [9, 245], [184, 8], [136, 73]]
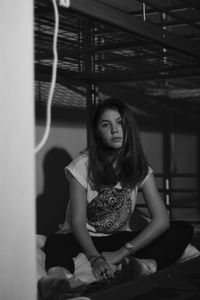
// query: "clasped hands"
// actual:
[[104, 267]]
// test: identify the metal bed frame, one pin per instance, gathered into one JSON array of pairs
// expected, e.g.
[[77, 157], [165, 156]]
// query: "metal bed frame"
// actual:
[[153, 45]]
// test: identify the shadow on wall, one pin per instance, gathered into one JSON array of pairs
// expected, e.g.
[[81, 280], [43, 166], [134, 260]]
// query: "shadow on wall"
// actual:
[[52, 203]]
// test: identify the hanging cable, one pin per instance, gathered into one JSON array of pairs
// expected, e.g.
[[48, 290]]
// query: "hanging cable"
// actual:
[[144, 11], [53, 80]]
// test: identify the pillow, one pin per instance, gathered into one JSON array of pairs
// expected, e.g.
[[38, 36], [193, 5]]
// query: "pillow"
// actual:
[[40, 256], [189, 253]]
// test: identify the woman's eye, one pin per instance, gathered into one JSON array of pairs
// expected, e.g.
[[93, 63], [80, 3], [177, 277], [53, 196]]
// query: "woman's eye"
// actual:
[[119, 121], [104, 125]]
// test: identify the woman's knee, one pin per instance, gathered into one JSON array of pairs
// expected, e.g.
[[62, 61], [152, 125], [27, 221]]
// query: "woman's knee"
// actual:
[[182, 228], [59, 252], [52, 242]]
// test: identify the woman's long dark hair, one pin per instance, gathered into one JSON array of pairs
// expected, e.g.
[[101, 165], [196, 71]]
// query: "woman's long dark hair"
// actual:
[[131, 165]]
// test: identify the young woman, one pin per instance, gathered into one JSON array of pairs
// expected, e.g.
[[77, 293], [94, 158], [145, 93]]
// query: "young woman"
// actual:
[[104, 181]]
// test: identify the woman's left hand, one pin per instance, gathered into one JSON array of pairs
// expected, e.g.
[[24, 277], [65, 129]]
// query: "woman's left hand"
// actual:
[[114, 257]]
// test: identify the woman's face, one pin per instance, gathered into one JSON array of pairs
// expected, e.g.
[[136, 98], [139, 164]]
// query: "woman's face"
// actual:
[[110, 128]]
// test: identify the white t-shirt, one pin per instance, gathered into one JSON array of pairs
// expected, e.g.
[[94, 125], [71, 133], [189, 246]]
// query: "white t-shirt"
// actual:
[[109, 210]]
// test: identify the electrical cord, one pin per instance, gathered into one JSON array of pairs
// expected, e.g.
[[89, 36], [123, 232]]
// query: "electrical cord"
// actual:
[[53, 81]]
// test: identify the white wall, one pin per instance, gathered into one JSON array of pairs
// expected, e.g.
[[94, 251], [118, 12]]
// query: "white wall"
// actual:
[[71, 138], [152, 143], [184, 152], [17, 186]]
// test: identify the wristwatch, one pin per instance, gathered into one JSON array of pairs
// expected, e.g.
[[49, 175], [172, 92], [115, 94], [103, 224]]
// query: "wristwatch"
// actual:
[[128, 246]]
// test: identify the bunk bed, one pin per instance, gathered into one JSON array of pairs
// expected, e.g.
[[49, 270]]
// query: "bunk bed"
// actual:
[[147, 48], [143, 48], [151, 49]]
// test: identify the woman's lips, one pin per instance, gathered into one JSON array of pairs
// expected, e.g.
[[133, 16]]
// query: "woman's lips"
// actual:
[[116, 139]]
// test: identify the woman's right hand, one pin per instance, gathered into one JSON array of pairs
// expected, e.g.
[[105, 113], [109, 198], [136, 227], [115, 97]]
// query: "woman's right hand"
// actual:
[[102, 270]]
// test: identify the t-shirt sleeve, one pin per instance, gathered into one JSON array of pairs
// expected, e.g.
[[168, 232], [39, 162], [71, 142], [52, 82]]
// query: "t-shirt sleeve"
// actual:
[[78, 169], [150, 171]]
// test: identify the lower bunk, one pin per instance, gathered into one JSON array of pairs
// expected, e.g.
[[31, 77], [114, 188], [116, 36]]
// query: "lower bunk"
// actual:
[[180, 281]]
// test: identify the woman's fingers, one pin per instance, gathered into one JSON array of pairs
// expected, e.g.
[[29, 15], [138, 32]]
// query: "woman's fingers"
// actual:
[[109, 271], [96, 275], [103, 271]]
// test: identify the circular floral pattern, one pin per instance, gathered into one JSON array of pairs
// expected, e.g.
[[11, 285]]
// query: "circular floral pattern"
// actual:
[[110, 211]]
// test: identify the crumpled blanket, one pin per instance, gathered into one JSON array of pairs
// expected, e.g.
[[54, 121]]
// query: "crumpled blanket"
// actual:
[[83, 268], [40, 256]]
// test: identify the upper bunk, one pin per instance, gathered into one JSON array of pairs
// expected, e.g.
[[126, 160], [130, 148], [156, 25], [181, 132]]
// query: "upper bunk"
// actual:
[[145, 52]]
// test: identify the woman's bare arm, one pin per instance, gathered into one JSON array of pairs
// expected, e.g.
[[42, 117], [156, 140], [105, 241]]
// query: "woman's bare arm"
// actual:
[[158, 224], [78, 217], [78, 210]]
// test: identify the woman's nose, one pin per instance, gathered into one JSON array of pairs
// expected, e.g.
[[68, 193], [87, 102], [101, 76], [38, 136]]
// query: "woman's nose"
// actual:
[[114, 128]]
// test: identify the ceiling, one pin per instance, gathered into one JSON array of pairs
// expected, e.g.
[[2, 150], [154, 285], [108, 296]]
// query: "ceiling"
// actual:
[[148, 49]]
